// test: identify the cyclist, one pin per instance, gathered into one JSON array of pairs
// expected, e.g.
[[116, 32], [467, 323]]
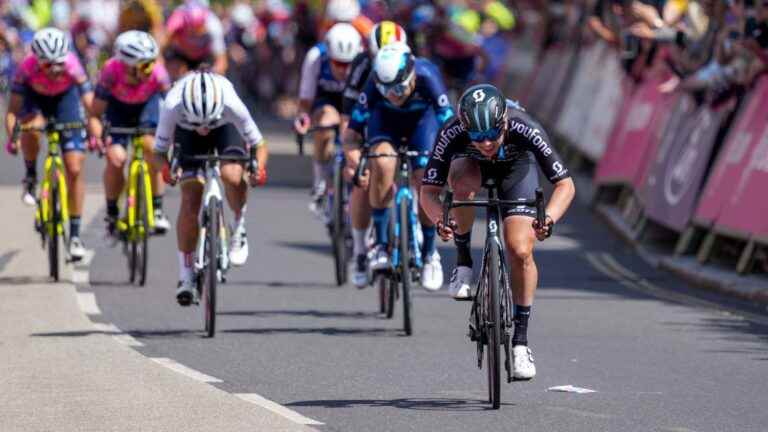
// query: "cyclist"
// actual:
[[194, 39], [198, 113], [383, 33], [51, 83], [130, 89], [320, 98], [405, 99], [348, 11], [495, 137]]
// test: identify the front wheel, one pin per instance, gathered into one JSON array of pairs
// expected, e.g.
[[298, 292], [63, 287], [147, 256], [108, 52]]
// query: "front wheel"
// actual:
[[405, 265], [339, 228], [52, 226], [210, 270], [493, 328]]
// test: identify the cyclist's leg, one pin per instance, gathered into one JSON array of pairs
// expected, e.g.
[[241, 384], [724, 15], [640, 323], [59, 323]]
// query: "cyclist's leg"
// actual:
[[465, 179], [30, 141], [187, 226], [381, 189], [229, 143], [117, 114], [323, 114], [148, 118], [422, 140], [68, 109]]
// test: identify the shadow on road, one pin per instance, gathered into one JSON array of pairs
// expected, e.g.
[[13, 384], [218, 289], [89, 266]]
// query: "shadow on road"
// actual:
[[424, 404], [312, 313], [325, 331]]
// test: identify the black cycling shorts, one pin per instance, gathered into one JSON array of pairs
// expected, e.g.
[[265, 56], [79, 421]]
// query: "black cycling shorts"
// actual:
[[225, 139], [519, 181]]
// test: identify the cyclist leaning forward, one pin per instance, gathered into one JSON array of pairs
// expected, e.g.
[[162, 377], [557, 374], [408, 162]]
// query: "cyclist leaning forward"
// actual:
[[51, 83], [495, 137], [323, 74], [129, 92], [406, 99], [199, 113], [194, 40], [383, 33]]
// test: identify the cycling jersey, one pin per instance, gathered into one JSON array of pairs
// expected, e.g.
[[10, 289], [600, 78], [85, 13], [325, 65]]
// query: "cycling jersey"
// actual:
[[113, 81], [430, 93], [31, 75], [525, 141], [359, 72], [235, 113], [317, 81], [190, 42]]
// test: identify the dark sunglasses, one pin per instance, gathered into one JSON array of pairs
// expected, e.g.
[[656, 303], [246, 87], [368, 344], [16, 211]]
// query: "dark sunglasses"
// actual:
[[488, 135], [146, 68]]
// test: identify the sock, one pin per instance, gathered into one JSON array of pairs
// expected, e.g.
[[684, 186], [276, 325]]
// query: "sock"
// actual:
[[240, 220], [463, 252], [157, 202], [185, 266], [318, 173], [74, 226], [112, 209], [522, 313], [428, 248], [381, 225], [31, 166], [359, 237]]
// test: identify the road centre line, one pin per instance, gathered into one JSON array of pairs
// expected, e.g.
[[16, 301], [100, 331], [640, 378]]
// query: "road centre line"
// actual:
[[277, 408], [184, 370], [87, 303]]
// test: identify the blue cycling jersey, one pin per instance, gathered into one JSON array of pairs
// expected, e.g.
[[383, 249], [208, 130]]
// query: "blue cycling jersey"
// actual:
[[326, 83], [430, 92]]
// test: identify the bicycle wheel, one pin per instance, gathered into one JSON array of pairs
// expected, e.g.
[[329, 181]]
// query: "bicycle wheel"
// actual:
[[338, 229], [132, 206], [142, 217], [405, 264], [54, 220], [493, 329], [210, 277], [391, 296]]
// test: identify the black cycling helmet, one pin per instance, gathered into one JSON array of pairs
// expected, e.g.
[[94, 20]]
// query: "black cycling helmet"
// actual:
[[482, 111]]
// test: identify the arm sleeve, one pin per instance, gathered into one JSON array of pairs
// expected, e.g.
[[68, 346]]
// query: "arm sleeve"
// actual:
[[237, 113], [361, 111], [355, 83], [105, 83], [440, 99], [19, 84], [166, 126], [309, 73], [439, 165], [525, 129]]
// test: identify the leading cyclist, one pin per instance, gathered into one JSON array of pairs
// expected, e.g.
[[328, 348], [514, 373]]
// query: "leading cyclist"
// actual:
[[51, 83], [405, 100], [198, 113], [495, 137]]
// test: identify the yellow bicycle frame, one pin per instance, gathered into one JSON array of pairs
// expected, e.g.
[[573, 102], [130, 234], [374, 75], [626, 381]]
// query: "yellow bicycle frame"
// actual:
[[45, 210], [138, 163]]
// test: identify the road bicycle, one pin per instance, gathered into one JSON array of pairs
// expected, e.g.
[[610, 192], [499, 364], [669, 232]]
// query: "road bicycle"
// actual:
[[491, 317], [336, 203], [52, 209], [139, 221], [212, 252], [405, 239]]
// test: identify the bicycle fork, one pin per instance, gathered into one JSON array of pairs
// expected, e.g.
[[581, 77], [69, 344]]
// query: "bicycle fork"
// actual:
[[213, 191], [45, 212], [138, 175], [405, 193]]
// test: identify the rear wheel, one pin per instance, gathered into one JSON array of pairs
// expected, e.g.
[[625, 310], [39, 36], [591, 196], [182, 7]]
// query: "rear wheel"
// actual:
[[493, 327], [54, 222], [405, 267], [339, 228], [143, 203], [134, 206], [210, 277]]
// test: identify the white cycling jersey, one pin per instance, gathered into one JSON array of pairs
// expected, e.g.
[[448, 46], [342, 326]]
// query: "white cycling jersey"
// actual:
[[235, 112]]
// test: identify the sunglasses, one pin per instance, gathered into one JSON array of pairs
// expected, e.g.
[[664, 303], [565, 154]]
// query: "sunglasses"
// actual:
[[395, 90], [146, 68], [488, 135], [52, 66]]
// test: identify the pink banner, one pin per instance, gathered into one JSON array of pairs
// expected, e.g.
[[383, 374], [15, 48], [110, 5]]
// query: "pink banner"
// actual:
[[727, 173]]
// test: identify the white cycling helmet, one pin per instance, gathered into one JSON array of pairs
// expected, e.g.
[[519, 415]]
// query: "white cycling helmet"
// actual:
[[202, 98], [393, 69], [385, 33], [50, 45], [342, 10], [344, 42], [135, 47], [242, 15]]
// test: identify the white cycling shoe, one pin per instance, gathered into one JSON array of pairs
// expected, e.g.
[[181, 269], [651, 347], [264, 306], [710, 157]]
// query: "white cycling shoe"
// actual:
[[185, 292], [360, 272], [522, 365], [432, 273], [380, 260], [460, 286], [162, 224], [238, 246], [28, 192], [317, 201], [76, 249]]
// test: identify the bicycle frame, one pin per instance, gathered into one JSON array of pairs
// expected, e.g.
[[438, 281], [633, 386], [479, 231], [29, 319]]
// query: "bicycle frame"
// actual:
[[138, 166], [53, 161], [404, 192], [212, 189]]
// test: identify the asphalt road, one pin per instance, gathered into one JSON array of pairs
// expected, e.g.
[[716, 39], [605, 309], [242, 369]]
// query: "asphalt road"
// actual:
[[659, 355]]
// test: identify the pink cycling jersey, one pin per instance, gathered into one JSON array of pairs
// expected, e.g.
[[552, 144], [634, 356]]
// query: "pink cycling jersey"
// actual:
[[114, 81], [190, 42], [31, 74]]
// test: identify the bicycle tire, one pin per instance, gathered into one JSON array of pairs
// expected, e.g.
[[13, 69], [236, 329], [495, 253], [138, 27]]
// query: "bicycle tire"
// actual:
[[339, 240], [133, 233], [54, 220], [211, 266], [493, 327], [405, 267], [391, 297], [143, 213], [381, 288]]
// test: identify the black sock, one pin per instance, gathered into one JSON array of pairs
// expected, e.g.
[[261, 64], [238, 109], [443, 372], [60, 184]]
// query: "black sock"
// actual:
[[157, 202], [74, 226], [112, 209], [31, 166], [522, 313], [463, 252]]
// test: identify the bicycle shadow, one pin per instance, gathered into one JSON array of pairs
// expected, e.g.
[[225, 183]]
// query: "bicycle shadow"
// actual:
[[417, 404], [311, 313], [324, 331]]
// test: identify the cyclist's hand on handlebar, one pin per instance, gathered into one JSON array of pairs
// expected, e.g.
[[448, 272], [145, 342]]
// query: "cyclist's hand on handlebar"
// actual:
[[301, 123], [169, 177], [349, 173], [95, 144], [446, 231], [364, 179], [258, 178], [543, 231], [12, 147]]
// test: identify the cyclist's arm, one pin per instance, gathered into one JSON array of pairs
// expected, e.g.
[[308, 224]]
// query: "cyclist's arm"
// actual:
[[355, 82], [14, 107], [218, 46], [237, 113], [439, 165], [439, 92], [166, 125], [310, 70]]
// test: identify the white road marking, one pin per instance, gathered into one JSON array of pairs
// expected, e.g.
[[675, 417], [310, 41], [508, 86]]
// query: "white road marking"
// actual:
[[571, 389], [277, 408], [184, 370], [87, 303], [117, 334], [80, 277]]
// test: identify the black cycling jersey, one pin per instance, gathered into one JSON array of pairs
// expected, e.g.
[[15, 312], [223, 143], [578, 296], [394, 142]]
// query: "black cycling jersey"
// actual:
[[359, 72], [525, 141]]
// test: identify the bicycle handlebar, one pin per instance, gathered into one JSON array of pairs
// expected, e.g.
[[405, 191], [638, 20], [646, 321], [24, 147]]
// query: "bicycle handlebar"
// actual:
[[127, 130], [300, 137], [538, 202]]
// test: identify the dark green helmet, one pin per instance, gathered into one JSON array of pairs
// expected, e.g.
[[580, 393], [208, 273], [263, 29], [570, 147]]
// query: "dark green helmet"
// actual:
[[482, 110]]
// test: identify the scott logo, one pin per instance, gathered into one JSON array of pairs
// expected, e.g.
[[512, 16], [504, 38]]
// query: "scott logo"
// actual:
[[492, 227], [478, 95], [432, 173]]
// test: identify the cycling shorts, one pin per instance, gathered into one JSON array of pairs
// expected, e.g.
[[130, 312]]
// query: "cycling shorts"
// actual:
[[518, 180], [322, 98], [225, 139], [63, 108], [393, 128], [121, 114]]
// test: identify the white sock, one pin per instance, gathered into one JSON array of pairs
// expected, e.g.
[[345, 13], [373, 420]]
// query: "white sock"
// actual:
[[318, 171], [240, 221], [186, 261], [359, 237]]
